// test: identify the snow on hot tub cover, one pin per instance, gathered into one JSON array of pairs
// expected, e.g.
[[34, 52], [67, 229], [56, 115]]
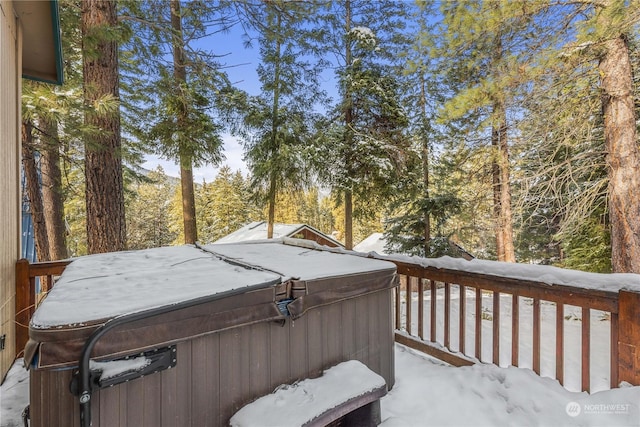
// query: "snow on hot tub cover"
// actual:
[[223, 286]]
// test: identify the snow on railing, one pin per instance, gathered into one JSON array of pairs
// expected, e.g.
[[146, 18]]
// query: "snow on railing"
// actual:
[[581, 328], [584, 336]]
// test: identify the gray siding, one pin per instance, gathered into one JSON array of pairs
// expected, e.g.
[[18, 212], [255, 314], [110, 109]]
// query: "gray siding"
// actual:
[[9, 184]]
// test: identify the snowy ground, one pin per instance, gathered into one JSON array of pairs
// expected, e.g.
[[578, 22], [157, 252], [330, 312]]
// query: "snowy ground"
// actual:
[[430, 393]]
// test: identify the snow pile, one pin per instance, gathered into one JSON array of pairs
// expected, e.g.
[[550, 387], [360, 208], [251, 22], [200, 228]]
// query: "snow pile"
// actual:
[[429, 392], [294, 405], [14, 395], [613, 282]]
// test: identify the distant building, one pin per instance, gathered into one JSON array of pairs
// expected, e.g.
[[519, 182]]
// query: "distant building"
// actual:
[[258, 230], [376, 243]]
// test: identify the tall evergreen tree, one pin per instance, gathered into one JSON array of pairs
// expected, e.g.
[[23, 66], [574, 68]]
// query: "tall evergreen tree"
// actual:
[[484, 43], [362, 144], [174, 88], [620, 133], [415, 205], [591, 100], [106, 225], [279, 121]]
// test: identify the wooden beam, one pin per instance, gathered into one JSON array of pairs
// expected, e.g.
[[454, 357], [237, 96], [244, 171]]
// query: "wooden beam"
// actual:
[[427, 348]]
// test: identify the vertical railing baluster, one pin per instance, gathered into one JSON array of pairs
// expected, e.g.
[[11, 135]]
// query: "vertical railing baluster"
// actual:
[[478, 337], [515, 329], [560, 342], [586, 344], [398, 314], [408, 299], [614, 350], [447, 315], [496, 328], [462, 318], [434, 320], [536, 335], [421, 308]]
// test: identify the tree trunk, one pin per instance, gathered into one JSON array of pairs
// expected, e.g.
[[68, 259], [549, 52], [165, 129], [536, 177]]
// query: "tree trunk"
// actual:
[[33, 192], [348, 219], [425, 166], [500, 167], [106, 226], [188, 201], [348, 121], [52, 190], [186, 160], [623, 158], [272, 207], [273, 175]]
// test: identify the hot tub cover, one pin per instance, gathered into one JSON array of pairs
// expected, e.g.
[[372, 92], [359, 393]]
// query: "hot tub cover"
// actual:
[[213, 288]]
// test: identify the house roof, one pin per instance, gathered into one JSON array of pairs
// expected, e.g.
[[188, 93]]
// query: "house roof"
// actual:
[[41, 43], [257, 230], [376, 243]]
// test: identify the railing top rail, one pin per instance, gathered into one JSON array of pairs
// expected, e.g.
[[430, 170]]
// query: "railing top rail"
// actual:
[[45, 268], [598, 299]]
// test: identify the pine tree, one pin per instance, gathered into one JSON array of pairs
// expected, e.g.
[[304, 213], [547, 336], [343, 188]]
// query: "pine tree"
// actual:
[[484, 43], [174, 87], [581, 163], [361, 146], [415, 206], [106, 225], [148, 212], [224, 205], [279, 121]]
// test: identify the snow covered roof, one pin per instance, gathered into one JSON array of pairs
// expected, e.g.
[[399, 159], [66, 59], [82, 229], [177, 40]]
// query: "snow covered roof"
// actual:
[[257, 230], [377, 243], [374, 243]]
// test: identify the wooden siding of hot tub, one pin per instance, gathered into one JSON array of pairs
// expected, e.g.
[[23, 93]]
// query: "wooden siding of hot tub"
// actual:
[[217, 374]]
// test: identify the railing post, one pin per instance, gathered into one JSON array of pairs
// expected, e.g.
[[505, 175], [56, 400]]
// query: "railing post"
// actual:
[[629, 337], [24, 296]]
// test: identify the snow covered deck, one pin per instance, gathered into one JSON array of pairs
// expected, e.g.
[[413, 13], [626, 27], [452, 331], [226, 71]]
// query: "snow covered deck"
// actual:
[[430, 392], [581, 328]]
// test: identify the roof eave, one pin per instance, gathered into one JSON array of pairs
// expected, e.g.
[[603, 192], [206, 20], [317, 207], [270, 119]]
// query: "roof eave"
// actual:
[[41, 33]]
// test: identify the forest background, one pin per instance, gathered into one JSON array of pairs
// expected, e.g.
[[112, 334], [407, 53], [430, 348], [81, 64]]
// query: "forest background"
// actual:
[[509, 128]]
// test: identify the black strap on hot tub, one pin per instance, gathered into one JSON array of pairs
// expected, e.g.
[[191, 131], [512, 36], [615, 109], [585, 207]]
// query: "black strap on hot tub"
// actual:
[[84, 372]]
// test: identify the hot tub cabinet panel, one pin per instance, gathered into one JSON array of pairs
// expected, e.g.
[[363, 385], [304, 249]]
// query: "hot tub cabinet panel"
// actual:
[[221, 364]]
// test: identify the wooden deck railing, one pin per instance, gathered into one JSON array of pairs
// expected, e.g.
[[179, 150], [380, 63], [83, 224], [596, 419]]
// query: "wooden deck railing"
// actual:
[[427, 319], [28, 296]]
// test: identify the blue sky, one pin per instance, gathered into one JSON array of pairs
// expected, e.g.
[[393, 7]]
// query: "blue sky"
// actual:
[[241, 66]]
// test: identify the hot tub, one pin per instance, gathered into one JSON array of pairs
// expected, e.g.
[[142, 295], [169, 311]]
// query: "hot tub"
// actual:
[[185, 336]]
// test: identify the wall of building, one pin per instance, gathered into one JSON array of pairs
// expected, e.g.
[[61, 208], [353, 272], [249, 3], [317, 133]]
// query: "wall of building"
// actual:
[[10, 70]]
